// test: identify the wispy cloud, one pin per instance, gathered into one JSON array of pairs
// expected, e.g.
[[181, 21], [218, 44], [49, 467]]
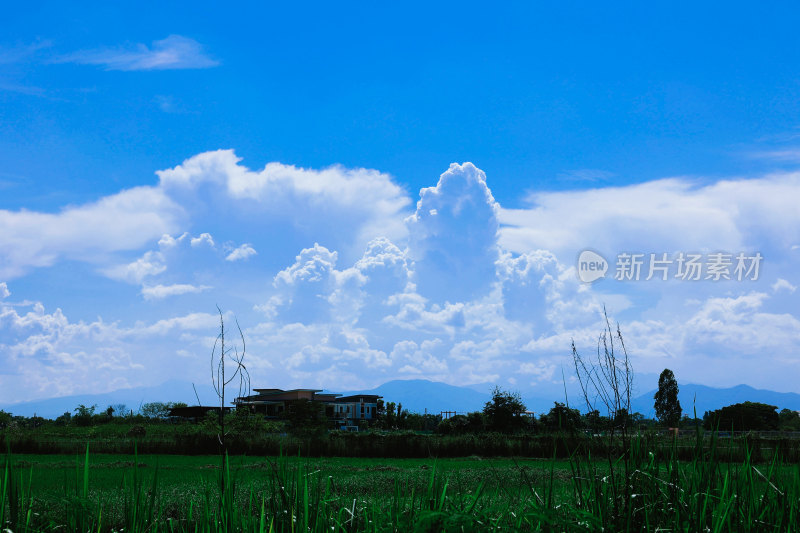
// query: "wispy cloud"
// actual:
[[169, 104], [783, 285], [158, 292], [11, 80], [18, 54], [785, 155], [591, 175], [174, 52], [22, 89]]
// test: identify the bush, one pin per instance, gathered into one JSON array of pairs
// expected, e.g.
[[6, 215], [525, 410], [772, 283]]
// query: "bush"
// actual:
[[136, 432]]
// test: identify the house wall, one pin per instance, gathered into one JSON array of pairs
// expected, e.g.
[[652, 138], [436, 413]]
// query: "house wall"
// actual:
[[355, 410]]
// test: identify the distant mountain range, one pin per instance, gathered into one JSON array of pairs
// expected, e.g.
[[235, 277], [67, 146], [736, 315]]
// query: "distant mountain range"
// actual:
[[133, 398], [700, 398], [416, 395], [421, 395]]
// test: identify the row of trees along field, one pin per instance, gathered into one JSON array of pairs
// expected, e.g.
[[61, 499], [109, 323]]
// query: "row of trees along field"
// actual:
[[504, 413]]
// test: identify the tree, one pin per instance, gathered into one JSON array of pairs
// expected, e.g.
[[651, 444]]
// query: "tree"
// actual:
[[64, 419], [119, 409], [306, 418], [476, 422], [561, 418], [596, 422], [504, 411], [5, 419], [391, 416], [789, 420], [667, 406], [456, 424], [402, 417], [421, 422], [155, 410], [83, 415], [745, 416]]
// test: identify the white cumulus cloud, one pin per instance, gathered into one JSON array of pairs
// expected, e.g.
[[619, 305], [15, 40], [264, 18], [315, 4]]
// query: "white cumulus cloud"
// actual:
[[150, 264], [453, 236], [203, 238], [316, 203], [241, 253]]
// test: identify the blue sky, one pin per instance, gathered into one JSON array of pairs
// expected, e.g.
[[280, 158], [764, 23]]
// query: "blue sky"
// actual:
[[293, 165]]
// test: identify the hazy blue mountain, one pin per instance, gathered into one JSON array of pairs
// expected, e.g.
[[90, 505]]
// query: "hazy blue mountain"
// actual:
[[417, 395], [170, 391], [710, 398]]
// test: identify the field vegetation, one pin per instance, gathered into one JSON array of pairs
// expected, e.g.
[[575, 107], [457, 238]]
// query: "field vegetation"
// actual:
[[101, 492]]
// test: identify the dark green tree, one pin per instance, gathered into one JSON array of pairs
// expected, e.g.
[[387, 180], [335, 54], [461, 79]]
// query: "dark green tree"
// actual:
[[391, 415], [596, 422], [504, 411], [384, 415], [476, 422], [561, 418], [83, 415], [456, 424], [421, 422], [306, 418], [745, 416], [155, 410], [62, 420], [401, 420], [5, 419], [667, 406], [789, 420], [119, 410]]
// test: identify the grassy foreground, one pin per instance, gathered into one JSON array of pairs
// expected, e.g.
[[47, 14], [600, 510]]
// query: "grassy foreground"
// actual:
[[180, 493]]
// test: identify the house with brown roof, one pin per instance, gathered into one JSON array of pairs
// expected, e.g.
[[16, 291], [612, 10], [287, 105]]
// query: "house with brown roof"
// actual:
[[344, 411]]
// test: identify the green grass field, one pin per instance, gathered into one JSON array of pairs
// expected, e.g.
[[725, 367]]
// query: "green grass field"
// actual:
[[101, 492], [184, 479], [360, 487]]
